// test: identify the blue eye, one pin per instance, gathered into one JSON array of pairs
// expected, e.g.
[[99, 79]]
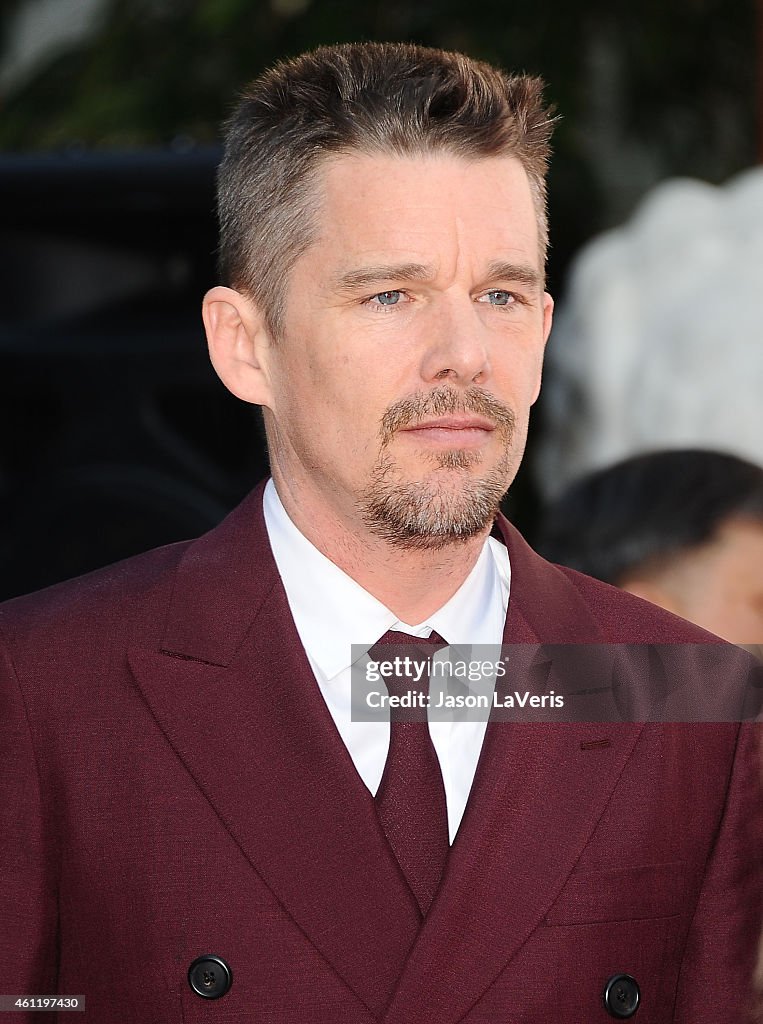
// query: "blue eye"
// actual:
[[499, 297], [390, 298]]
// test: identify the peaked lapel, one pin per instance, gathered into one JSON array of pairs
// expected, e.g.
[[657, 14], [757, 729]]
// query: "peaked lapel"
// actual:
[[535, 801], [233, 692], [271, 763]]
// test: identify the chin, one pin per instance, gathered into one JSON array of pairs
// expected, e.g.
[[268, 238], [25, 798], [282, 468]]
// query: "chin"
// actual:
[[449, 506]]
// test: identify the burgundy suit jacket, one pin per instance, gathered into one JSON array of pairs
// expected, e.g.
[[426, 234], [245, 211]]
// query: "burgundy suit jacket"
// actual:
[[173, 785]]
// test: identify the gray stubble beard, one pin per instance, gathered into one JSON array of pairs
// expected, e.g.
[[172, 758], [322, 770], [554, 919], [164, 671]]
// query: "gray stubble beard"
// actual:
[[420, 514]]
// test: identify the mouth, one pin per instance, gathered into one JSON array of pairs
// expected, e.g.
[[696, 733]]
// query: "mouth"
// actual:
[[459, 431]]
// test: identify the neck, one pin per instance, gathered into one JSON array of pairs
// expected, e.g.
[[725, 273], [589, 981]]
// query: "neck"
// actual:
[[413, 583]]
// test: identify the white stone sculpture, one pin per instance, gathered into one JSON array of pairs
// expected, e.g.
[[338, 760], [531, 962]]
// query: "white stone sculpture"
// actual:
[[659, 340]]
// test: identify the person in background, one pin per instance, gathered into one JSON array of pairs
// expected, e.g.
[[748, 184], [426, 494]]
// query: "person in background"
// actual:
[[681, 528]]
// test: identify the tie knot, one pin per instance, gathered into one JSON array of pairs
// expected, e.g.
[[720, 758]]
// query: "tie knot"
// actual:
[[395, 636], [407, 660]]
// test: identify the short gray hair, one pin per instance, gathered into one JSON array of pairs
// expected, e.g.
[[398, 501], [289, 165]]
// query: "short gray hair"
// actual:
[[360, 97]]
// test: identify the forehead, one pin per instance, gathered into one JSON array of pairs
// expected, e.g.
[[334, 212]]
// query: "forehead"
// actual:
[[431, 208]]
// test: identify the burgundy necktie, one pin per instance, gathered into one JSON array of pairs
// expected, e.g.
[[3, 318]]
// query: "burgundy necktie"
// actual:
[[410, 800]]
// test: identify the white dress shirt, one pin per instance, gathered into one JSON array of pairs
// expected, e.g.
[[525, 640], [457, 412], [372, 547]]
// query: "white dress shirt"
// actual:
[[332, 612]]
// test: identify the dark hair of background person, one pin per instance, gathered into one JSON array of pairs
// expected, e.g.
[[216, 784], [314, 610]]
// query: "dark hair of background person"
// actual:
[[643, 511], [390, 98]]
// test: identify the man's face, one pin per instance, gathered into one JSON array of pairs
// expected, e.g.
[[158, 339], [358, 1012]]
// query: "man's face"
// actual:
[[411, 348]]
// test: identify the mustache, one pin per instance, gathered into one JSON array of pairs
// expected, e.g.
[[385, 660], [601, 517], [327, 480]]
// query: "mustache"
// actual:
[[444, 401]]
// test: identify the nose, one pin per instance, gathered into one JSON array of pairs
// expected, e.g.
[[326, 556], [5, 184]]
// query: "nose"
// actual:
[[456, 348]]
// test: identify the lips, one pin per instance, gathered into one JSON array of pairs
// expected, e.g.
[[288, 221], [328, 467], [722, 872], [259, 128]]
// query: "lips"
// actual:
[[456, 431], [453, 423]]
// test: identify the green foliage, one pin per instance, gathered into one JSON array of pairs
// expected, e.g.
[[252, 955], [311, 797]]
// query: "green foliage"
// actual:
[[674, 82]]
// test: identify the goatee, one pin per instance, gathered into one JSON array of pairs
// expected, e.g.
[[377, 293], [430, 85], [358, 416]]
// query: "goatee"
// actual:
[[429, 513]]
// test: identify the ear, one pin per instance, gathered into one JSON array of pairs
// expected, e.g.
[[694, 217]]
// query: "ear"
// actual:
[[239, 344], [548, 316]]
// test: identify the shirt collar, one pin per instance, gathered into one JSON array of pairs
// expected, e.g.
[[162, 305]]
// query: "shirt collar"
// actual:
[[332, 612]]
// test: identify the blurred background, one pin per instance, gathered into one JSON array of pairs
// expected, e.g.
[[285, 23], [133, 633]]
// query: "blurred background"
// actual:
[[115, 434]]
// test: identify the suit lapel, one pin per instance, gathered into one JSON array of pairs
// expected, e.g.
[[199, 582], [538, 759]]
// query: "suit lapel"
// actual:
[[234, 694], [536, 798]]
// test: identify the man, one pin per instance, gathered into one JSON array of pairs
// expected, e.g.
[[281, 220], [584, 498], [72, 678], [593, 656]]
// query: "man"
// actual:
[[681, 528], [197, 829]]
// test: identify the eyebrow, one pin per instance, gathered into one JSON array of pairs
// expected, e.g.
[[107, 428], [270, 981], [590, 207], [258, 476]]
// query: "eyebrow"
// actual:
[[521, 272], [363, 277]]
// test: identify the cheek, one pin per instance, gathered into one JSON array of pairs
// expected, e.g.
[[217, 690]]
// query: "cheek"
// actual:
[[724, 610], [335, 409], [749, 616], [536, 371], [518, 358], [332, 374], [518, 384]]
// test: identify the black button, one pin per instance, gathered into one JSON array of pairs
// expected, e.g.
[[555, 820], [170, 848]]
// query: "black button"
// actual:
[[209, 976], [621, 996]]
